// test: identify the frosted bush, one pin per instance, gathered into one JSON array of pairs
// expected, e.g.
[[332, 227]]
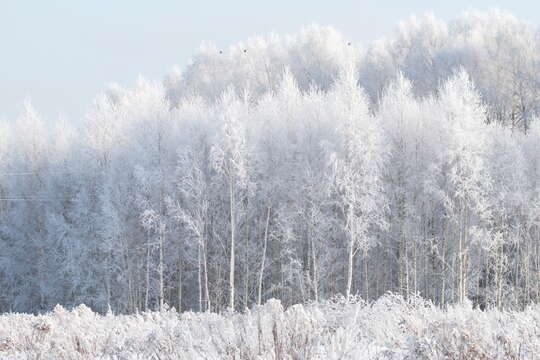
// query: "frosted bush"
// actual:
[[390, 328]]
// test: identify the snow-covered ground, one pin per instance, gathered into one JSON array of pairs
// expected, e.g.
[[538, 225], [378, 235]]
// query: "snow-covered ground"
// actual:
[[390, 328]]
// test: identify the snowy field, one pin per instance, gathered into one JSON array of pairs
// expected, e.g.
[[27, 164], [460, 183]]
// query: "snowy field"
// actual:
[[390, 328]]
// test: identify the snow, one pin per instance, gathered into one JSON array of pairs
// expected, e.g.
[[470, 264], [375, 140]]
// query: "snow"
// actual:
[[297, 168], [390, 328]]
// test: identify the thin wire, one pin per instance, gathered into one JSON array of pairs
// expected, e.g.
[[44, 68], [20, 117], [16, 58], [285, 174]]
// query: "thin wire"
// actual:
[[63, 172], [40, 200], [18, 174]]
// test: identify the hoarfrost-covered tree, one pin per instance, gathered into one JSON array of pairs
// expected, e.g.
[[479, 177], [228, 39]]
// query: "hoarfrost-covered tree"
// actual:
[[401, 118], [356, 166], [463, 180], [28, 213], [264, 170], [230, 158], [192, 210]]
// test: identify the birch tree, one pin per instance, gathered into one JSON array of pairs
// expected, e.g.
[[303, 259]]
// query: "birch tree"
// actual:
[[356, 165], [230, 159]]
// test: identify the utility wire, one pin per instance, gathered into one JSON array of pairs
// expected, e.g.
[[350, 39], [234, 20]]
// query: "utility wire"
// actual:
[[37, 200], [18, 174]]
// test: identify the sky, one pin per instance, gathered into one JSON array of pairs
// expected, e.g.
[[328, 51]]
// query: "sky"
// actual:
[[61, 53]]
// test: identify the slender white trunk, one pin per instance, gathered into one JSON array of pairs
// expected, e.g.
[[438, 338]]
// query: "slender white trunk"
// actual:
[[246, 265], [147, 290], [462, 255], [315, 277], [161, 292], [205, 268], [498, 274], [231, 259], [366, 277], [131, 303], [443, 266], [265, 245], [179, 294], [350, 264], [199, 276]]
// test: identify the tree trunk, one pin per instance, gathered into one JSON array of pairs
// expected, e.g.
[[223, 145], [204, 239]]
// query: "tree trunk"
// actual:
[[147, 290], [366, 277], [315, 279], [161, 293], [246, 265], [350, 264], [179, 294], [205, 266], [265, 246], [199, 276], [231, 259]]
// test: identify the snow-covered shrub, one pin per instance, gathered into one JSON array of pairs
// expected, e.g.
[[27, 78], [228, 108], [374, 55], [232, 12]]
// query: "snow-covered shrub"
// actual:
[[390, 328]]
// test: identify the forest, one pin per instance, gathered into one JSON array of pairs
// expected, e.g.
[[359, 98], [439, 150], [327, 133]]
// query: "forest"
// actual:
[[298, 167]]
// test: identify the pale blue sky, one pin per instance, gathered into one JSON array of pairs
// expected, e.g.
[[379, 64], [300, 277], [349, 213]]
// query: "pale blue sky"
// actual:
[[60, 53]]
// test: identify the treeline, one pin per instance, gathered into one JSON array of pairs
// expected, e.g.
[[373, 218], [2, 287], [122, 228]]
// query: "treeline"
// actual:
[[295, 168]]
